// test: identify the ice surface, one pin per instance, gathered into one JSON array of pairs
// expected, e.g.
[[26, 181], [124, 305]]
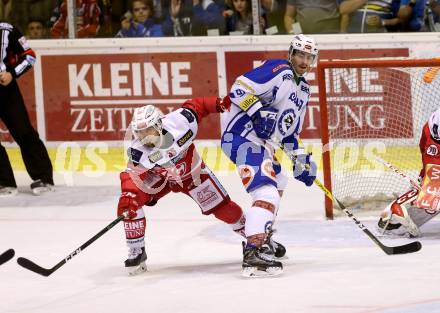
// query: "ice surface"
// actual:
[[194, 261]]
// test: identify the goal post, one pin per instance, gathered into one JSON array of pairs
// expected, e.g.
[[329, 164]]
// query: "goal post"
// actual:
[[373, 108]]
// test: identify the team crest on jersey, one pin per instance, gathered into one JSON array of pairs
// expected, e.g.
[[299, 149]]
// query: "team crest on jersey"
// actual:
[[285, 123], [247, 174], [267, 169], [154, 157], [432, 150]]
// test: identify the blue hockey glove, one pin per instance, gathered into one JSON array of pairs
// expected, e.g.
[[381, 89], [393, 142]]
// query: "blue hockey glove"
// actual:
[[304, 169], [264, 121]]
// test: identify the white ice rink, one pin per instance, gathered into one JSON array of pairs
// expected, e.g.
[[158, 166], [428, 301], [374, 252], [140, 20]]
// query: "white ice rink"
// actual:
[[194, 261]]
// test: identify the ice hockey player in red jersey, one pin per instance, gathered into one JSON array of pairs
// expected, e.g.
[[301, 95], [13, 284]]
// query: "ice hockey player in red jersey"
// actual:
[[414, 208], [163, 159]]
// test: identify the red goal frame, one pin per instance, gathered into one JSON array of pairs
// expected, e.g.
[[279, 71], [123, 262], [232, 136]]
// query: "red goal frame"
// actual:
[[325, 139]]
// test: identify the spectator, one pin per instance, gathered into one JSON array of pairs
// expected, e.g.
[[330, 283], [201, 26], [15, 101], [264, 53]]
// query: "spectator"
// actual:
[[6, 10], [87, 19], [313, 16], [107, 24], [239, 19], [36, 30], [411, 15], [17, 59], [360, 16], [192, 18], [41, 9], [159, 9], [274, 15], [31, 10], [142, 24], [434, 15]]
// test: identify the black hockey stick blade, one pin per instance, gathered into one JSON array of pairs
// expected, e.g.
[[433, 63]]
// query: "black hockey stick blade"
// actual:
[[28, 264], [6, 256], [408, 248]]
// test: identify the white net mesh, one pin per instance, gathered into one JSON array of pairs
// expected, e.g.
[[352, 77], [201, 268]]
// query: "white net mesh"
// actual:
[[376, 112]]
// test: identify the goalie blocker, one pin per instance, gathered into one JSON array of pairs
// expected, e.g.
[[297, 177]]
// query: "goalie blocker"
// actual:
[[414, 208]]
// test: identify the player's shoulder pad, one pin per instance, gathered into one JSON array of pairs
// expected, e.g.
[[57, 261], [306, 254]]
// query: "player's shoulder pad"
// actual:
[[177, 118], [268, 70], [188, 114]]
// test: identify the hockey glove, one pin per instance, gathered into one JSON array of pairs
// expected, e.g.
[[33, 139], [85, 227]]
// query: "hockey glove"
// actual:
[[223, 105], [264, 121], [304, 169], [128, 203]]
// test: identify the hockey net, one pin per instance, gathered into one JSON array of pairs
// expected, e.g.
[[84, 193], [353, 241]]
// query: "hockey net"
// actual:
[[373, 108]]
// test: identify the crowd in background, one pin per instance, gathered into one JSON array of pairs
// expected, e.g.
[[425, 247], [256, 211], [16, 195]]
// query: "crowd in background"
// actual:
[[41, 19]]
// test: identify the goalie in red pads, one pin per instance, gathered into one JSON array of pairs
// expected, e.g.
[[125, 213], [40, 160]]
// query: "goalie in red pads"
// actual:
[[414, 208], [163, 159]]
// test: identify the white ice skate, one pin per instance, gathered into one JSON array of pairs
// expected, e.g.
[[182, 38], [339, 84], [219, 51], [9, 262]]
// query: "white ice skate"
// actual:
[[135, 264]]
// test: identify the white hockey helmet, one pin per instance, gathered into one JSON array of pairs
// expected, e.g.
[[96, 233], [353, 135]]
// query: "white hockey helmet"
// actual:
[[305, 44], [144, 118], [434, 124]]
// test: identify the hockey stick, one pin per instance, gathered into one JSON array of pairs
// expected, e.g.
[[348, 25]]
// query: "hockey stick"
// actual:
[[406, 248], [28, 264], [6, 256], [399, 172]]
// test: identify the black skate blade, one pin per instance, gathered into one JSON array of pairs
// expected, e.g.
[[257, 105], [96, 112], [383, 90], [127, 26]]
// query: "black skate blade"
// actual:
[[254, 272], [6, 256]]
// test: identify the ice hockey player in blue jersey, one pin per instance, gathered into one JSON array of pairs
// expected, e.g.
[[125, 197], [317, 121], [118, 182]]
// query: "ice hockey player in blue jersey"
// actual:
[[268, 109]]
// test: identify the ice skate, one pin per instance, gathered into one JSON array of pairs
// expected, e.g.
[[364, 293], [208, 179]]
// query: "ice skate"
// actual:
[[271, 247], [257, 264], [135, 264], [39, 187], [7, 191]]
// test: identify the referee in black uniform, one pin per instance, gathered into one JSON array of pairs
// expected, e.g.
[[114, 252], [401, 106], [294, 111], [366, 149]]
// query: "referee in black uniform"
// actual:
[[16, 58]]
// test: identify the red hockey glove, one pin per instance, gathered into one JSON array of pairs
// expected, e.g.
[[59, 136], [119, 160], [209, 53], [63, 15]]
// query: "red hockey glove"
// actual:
[[127, 202], [223, 105]]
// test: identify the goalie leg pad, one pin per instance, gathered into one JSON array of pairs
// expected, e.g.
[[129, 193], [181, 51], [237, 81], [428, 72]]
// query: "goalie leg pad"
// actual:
[[396, 220], [421, 216]]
